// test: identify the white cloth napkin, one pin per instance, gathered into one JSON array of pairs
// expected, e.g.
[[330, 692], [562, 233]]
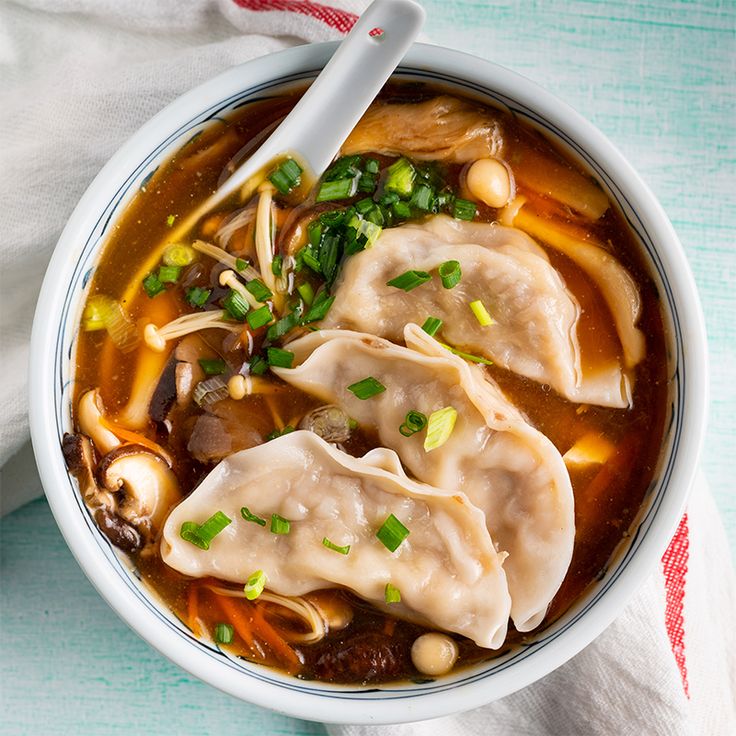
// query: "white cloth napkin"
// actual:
[[77, 77]]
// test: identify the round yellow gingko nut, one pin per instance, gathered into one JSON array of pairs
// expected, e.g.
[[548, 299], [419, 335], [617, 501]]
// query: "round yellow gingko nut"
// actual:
[[434, 654], [489, 181]]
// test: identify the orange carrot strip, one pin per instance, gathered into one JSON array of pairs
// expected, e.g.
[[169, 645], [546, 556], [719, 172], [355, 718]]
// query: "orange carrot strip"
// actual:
[[237, 617], [135, 438], [193, 609], [274, 640]]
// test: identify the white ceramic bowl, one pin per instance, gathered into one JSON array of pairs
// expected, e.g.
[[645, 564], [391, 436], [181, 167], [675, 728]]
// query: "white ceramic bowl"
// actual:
[[51, 377]]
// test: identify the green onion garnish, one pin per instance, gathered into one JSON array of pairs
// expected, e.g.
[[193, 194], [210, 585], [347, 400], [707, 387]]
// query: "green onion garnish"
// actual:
[[259, 317], [281, 327], [306, 292], [170, 220], [197, 297], [400, 180], [259, 290], [248, 516], [481, 313], [431, 325], [423, 198], [279, 358], [286, 176], [367, 183], [202, 534], [311, 260], [258, 365], [277, 265], [366, 388], [392, 594], [409, 280], [319, 308], [279, 525], [439, 428], [153, 286], [224, 633], [213, 367], [179, 255], [279, 432], [255, 585], [414, 422], [467, 356], [335, 548], [372, 165], [450, 273], [169, 274], [236, 306], [401, 210], [462, 209], [392, 533], [339, 189], [241, 264]]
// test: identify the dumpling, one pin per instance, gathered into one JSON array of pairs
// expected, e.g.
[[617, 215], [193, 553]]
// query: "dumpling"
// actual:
[[444, 128], [535, 315], [447, 569], [508, 469]]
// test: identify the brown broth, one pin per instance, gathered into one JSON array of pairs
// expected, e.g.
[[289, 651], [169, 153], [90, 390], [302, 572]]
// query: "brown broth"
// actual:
[[607, 499]]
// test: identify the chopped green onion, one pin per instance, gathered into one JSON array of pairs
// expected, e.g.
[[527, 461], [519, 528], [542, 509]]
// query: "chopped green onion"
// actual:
[[288, 429], [367, 388], [392, 594], [462, 209], [414, 422], [372, 166], [400, 180], [236, 306], [277, 265], [214, 367], [328, 253], [259, 317], [97, 312], [202, 534], [224, 633], [367, 229], [170, 220], [423, 198], [450, 273], [335, 548], [314, 233], [258, 365], [467, 356], [367, 183], [279, 358], [409, 280], [401, 210], [481, 313], [259, 290], [255, 585], [153, 286], [241, 264], [197, 297], [388, 199], [286, 176], [364, 206], [431, 325], [392, 533], [306, 292], [319, 308], [248, 516], [439, 428], [179, 255], [279, 525], [311, 260], [281, 327], [339, 189], [169, 274]]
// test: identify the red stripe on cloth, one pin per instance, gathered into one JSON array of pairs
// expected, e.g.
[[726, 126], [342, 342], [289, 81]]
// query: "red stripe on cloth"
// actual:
[[674, 567], [341, 20]]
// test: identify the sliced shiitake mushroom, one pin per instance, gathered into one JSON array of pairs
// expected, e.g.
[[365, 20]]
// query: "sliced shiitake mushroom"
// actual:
[[80, 459], [148, 485]]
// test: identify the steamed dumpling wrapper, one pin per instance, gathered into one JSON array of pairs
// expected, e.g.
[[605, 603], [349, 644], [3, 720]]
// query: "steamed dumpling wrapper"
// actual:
[[536, 316], [508, 469], [448, 570]]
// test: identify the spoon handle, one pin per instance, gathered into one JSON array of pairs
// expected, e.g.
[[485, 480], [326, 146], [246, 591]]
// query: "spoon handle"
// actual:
[[324, 117]]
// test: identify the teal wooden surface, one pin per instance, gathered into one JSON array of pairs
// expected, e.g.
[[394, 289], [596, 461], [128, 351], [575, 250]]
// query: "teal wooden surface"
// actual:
[[658, 79]]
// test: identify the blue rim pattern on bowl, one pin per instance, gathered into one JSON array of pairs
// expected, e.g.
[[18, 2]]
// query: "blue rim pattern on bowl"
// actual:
[[64, 348]]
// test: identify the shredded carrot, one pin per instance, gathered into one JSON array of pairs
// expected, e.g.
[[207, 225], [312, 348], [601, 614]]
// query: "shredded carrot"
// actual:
[[193, 609], [237, 617], [275, 641], [277, 420], [135, 438]]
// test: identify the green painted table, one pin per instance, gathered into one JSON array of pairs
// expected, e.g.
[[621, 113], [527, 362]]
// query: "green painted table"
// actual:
[[658, 79]]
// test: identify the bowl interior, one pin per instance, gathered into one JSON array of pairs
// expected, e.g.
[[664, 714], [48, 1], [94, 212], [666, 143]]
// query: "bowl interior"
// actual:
[[53, 366]]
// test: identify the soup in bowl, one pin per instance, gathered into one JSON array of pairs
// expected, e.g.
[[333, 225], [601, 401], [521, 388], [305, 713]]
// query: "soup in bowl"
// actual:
[[400, 440]]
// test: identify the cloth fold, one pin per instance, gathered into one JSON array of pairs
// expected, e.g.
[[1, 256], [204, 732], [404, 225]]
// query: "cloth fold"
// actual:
[[77, 77]]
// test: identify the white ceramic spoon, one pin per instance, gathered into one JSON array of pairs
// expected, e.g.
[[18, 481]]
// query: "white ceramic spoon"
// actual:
[[324, 117]]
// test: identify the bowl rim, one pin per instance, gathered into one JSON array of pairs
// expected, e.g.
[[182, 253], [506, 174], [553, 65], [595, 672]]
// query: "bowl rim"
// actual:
[[284, 698]]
